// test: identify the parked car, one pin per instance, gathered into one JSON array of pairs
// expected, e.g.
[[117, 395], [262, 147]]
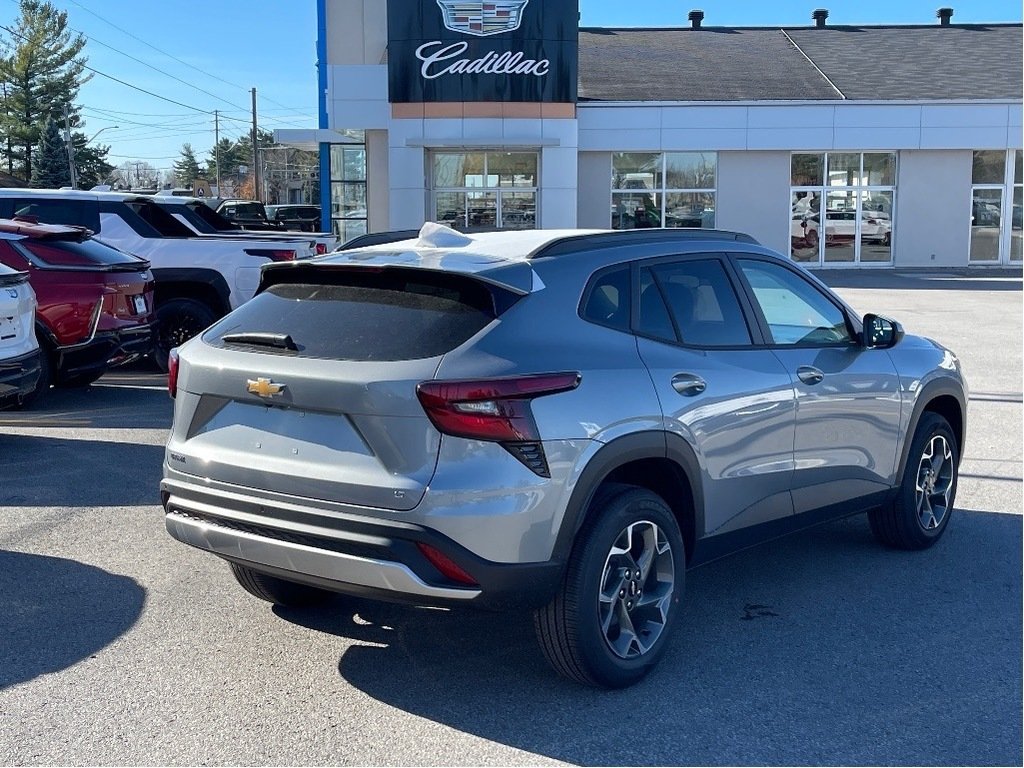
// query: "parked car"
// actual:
[[305, 218], [199, 278], [19, 351], [95, 303], [248, 214], [840, 227], [195, 214], [450, 449]]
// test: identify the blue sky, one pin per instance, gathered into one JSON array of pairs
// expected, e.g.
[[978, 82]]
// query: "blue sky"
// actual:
[[222, 48]]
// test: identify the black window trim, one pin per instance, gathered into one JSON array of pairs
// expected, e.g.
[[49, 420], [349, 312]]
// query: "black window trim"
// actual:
[[754, 328], [762, 321]]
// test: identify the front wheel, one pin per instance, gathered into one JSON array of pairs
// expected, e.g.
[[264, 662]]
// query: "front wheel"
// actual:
[[920, 514], [177, 321], [615, 610]]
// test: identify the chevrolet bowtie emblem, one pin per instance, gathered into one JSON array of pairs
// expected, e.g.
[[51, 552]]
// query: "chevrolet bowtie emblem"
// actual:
[[264, 387]]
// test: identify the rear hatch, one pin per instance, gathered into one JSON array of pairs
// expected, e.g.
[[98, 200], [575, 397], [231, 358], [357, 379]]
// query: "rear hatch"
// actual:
[[17, 308], [310, 388]]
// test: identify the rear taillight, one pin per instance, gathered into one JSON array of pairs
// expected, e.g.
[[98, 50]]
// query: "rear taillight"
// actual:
[[496, 410], [321, 249], [274, 254], [172, 373]]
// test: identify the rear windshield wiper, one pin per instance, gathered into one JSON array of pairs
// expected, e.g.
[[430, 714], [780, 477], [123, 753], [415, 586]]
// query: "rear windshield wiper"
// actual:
[[276, 340]]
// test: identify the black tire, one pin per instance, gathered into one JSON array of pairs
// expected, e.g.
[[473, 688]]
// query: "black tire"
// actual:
[[43, 383], [595, 641], [920, 513], [177, 321], [278, 591]]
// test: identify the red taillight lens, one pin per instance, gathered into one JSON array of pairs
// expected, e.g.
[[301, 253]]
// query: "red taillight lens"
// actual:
[[491, 409], [274, 254], [321, 249], [448, 567], [172, 373]]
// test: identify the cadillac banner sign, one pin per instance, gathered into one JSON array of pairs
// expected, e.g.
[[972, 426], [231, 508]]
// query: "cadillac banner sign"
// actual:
[[501, 50]]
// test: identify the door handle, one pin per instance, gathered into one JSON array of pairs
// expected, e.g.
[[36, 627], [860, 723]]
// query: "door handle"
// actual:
[[688, 384], [809, 374]]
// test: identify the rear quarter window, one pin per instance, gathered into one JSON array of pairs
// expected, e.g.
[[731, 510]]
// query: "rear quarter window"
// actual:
[[70, 253], [379, 316], [79, 213]]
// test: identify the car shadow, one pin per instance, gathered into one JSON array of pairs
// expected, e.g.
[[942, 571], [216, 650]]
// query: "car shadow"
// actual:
[[56, 612], [60, 472], [874, 657], [119, 400]]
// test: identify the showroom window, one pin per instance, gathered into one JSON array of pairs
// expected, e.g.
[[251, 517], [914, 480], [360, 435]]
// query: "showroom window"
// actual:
[[996, 201], [480, 191], [855, 192], [348, 187], [663, 189]]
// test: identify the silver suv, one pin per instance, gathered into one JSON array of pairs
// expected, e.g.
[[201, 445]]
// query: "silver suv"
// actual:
[[559, 420]]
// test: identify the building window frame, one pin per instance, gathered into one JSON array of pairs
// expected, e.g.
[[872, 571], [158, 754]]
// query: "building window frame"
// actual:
[[347, 163], [503, 193], [861, 191], [662, 191], [1006, 194]]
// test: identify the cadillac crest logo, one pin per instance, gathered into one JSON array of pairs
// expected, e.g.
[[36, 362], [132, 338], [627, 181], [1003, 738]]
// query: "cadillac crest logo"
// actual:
[[482, 18]]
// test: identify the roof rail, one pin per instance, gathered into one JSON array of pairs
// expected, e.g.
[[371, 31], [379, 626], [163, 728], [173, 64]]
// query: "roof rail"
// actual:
[[590, 241]]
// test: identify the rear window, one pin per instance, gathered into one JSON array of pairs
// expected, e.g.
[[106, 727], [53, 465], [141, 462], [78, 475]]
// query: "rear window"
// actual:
[[71, 253], [379, 316], [79, 213]]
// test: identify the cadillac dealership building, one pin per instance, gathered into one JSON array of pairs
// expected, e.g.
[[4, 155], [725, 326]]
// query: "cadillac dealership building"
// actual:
[[842, 146]]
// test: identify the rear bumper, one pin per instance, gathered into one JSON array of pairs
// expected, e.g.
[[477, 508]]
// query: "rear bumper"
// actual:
[[104, 350], [18, 375], [350, 554]]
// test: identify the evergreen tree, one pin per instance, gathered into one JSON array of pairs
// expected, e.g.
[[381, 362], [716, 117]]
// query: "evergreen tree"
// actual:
[[43, 68], [50, 169], [230, 157], [91, 162], [187, 168]]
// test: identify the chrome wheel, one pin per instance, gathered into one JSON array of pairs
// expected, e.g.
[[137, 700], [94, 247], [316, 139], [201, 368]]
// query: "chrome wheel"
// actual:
[[934, 483], [636, 589]]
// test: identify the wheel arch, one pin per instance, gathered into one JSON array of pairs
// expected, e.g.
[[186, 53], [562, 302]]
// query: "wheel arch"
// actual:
[[660, 462], [947, 399], [205, 285]]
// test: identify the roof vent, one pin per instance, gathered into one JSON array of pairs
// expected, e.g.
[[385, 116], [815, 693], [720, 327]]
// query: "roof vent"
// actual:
[[696, 17], [819, 16], [944, 14]]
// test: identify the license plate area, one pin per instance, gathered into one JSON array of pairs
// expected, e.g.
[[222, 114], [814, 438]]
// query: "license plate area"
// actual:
[[139, 304], [10, 328]]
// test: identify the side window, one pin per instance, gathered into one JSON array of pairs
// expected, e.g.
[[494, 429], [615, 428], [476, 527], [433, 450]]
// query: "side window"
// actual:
[[797, 313], [654, 318], [608, 299], [702, 303], [73, 212]]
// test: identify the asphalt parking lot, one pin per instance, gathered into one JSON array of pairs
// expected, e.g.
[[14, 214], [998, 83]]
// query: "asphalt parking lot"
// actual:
[[120, 646]]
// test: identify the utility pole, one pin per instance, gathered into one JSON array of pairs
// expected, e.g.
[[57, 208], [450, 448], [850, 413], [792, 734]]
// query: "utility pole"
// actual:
[[255, 150], [70, 147], [216, 146]]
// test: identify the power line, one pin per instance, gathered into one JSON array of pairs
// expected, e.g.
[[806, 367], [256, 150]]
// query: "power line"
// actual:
[[119, 80], [169, 55]]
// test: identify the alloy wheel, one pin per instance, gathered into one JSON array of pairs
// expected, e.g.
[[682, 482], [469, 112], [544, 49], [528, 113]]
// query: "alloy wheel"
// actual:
[[636, 589], [934, 483]]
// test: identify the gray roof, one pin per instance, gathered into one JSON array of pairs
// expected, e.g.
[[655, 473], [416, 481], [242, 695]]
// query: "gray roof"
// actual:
[[960, 61]]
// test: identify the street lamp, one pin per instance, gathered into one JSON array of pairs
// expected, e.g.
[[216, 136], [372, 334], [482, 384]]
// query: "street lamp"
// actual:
[[101, 130], [71, 151]]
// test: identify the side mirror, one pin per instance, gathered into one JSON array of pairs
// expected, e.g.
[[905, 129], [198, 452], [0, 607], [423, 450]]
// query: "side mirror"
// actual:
[[881, 332]]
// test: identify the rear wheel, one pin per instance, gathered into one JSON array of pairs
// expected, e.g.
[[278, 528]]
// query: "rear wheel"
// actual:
[[277, 591], [920, 514], [615, 610], [177, 321]]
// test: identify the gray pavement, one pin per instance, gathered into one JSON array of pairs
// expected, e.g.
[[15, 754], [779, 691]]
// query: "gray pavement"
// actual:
[[120, 646]]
